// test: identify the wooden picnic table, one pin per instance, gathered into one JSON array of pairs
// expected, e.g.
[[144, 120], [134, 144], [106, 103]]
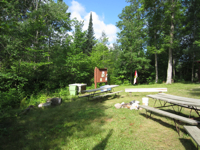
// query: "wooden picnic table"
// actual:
[[189, 103], [93, 92]]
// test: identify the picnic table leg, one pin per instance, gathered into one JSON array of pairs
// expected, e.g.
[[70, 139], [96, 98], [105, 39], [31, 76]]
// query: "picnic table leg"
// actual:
[[196, 111], [149, 115], [180, 109], [160, 103], [190, 113], [154, 102], [177, 127], [173, 108]]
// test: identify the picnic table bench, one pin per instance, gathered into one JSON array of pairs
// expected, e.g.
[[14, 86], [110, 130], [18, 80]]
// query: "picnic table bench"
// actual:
[[146, 90], [170, 115], [194, 132], [130, 90]]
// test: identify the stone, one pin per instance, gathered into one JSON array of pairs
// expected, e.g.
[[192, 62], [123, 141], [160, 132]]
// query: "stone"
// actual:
[[118, 105]]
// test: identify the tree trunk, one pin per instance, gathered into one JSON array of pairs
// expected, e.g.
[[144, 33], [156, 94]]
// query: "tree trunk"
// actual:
[[131, 75], [169, 69], [156, 61], [193, 49], [192, 67], [174, 69], [36, 36], [131, 78]]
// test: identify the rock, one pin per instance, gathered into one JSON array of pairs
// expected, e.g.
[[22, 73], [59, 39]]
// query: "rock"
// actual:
[[44, 104], [118, 105], [55, 101]]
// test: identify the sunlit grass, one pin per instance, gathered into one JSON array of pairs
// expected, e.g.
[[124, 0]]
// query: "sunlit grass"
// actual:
[[97, 124]]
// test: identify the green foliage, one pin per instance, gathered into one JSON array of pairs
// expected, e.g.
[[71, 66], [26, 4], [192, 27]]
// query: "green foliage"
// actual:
[[132, 40], [126, 82]]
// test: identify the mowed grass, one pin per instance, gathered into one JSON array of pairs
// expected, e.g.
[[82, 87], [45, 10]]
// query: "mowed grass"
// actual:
[[96, 124]]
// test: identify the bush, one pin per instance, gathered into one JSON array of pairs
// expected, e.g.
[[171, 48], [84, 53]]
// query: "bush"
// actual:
[[8, 100], [126, 82]]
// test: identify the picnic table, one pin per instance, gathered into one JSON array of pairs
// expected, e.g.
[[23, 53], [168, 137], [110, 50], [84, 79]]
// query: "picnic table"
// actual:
[[171, 100], [93, 92], [190, 103]]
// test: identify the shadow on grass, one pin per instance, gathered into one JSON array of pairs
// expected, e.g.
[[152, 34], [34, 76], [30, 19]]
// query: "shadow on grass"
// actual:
[[102, 144], [193, 113], [195, 92], [53, 127], [162, 122], [187, 143], [106, 98]]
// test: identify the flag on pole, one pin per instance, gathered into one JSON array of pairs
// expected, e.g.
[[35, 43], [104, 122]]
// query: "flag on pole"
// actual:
[[135, 77]]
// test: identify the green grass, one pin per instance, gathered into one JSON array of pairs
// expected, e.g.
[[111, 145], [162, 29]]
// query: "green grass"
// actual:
[[97, 124]]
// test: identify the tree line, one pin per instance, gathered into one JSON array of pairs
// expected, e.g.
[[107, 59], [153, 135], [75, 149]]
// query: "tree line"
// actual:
[[41, 48]]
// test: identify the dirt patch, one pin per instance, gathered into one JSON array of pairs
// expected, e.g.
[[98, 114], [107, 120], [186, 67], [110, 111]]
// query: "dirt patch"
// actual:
[[109, 119]]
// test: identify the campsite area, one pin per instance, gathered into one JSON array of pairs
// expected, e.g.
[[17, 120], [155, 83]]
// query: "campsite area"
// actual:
[[67, 68], [97, 124]]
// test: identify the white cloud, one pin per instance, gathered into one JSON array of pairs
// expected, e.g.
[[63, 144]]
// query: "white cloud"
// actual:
[[78, 11]]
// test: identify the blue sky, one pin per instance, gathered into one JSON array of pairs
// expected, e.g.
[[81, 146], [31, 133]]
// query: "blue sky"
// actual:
[[104, 13]]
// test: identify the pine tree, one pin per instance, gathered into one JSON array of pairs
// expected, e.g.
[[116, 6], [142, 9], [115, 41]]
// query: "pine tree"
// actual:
[[90, 37]]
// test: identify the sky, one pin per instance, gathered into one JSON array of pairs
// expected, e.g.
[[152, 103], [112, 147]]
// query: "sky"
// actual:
[[104, 15]]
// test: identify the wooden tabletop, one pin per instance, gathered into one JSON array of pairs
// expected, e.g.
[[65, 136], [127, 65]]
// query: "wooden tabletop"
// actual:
[[176, 100], [106, 87]]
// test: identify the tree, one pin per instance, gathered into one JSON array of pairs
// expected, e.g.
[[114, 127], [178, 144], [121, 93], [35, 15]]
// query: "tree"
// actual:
[[131, 37], [100, 53], [192, 24], [90, 37], [154, 14], [79, 38]]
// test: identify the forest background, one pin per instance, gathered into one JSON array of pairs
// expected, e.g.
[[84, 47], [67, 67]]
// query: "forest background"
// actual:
[[158, 38]]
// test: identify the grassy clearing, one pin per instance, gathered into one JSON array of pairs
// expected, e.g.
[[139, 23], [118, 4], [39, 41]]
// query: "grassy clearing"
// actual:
[[96, 124]]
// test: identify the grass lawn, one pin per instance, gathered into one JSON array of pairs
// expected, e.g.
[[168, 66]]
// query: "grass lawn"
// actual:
[[97, 124]]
